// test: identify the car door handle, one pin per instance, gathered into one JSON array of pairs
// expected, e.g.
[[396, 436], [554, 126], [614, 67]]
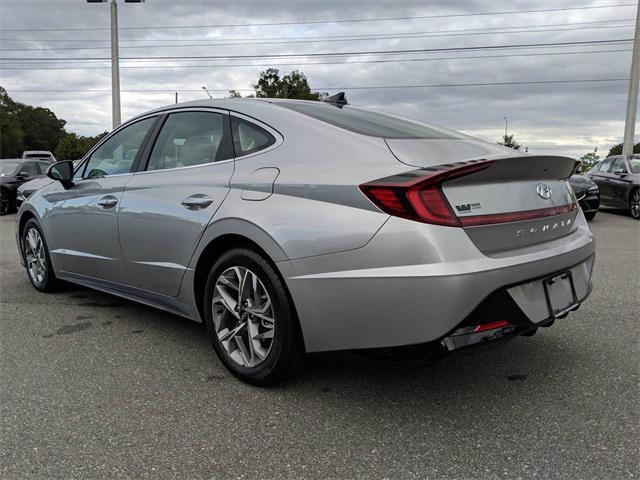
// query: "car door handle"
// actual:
[[108, 201], [197, 202]]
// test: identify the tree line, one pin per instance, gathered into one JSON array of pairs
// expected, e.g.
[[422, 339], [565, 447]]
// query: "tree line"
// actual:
[[24, 127]]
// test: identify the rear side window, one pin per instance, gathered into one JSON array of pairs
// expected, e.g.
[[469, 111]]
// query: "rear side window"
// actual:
[[249, 137], [619, 165], [367, 122], [191, 138]]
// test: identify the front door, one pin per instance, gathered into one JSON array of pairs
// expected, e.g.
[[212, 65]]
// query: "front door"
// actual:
[[620, 182], [166, 206], [85, 221], [600, 175]]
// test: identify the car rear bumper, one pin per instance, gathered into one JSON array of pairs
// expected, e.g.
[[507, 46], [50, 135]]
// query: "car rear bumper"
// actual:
[[430, 292]]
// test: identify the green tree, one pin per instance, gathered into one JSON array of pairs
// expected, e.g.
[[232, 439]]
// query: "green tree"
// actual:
[[11, 134], [509, 141], [73, 147], [42, 129], [23, 127], [292, 85], [617, 149], [589, 160]]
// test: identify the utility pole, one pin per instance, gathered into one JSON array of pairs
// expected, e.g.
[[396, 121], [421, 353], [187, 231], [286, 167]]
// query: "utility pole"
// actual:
[[176, 97], [115, 67], [632, 101], [506, 125], [115, 60]]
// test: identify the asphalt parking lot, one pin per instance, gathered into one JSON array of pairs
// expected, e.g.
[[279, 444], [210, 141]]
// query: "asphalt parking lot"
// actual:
[[92, 386]]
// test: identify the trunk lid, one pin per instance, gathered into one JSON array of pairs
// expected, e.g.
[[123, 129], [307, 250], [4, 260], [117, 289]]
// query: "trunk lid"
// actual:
[[519, 200]]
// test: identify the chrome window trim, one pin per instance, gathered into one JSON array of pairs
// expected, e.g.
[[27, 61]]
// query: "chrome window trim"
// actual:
[[200, 165]]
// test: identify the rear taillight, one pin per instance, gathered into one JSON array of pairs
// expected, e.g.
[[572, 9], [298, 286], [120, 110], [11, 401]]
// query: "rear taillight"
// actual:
[[418, 195]]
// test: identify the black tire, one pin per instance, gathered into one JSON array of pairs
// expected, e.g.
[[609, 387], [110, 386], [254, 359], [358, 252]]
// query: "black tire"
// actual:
[[634, 204], [287, 348], [49, 282], [590, 216], [7, 204]]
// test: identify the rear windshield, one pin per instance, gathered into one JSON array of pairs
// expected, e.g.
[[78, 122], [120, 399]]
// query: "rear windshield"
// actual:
[[367, 122]]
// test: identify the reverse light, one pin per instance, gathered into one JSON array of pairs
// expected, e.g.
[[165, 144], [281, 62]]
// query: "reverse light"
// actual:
[[418, 195]]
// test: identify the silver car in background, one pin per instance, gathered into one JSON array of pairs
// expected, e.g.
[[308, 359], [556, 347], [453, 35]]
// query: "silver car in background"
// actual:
[[294, 226]]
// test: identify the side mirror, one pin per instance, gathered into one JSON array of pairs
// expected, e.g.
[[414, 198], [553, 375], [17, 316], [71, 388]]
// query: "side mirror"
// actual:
[[23, 175], [62, 172], [620, 172]]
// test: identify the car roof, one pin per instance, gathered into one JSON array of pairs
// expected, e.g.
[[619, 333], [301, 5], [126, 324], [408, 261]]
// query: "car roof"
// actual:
[[233, 104]]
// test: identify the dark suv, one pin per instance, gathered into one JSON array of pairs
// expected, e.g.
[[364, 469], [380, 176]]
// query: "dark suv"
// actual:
[[618, 178]]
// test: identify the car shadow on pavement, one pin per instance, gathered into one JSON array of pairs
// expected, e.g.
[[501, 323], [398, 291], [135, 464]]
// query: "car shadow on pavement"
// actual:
[[539, 365]]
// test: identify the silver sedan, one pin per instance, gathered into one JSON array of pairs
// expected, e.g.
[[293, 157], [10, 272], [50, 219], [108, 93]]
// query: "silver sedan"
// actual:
[[292, 226]]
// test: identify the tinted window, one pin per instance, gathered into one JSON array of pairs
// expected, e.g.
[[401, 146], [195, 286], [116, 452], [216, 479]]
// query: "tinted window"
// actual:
[[7, 168], [30, 168], [368, 123], [249, 137], [605, 164], [44, 166], [190, 138], [117, 154], [618, 164]]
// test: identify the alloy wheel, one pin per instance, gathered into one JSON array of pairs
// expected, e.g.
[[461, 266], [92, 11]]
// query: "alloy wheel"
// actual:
[[35, 255], [635, 204], [243, 316]]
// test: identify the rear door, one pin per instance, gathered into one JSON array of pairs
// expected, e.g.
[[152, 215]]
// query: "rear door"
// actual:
[[166, 206], [84, 221]]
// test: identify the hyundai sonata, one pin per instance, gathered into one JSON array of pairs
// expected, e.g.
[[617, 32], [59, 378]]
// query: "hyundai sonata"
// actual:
[[295, 226]]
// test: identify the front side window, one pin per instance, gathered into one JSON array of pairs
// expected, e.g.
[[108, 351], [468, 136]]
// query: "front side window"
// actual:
[[117, 154], [191, 138], [634, 164], [605, 164], [249, 137], [618, 165]]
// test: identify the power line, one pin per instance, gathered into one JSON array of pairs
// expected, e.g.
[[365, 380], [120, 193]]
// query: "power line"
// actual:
[[373, 87], [349, 20], [332, 54], [401, 60], [372, 38], [508, 29]]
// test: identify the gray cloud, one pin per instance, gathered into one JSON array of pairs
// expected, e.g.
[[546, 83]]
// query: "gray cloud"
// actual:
[[565, 119]]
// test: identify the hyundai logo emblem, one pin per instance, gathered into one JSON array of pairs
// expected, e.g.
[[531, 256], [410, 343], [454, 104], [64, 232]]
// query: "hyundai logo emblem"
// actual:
[[544, 191]]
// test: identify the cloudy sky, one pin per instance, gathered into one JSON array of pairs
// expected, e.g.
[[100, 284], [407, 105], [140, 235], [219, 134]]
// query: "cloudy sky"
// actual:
[[432, 84]]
